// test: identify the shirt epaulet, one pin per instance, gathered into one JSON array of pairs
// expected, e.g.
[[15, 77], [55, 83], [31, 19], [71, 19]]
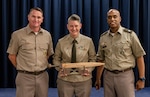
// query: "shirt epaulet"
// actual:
[[127, 30], [104, 33]]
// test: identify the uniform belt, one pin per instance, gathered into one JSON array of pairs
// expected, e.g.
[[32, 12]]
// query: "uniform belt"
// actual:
[[118, 71], [33, 73]]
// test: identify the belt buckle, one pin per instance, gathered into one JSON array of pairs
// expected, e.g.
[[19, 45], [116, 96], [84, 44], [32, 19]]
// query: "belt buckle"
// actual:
[[36, 73], [116, 71]]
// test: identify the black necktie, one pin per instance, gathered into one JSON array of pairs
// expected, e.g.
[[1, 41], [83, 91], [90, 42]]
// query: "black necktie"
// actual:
[[73, 57]]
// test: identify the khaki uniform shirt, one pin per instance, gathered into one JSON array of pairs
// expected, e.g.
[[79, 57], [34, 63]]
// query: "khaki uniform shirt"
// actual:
[[85, 52], [32, 50], [119, 50]]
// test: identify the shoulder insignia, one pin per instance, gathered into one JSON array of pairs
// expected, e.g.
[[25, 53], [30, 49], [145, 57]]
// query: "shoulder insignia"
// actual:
[[104, 33], [127, 30]]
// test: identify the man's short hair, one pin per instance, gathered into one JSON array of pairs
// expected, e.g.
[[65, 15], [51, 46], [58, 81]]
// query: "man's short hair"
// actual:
[[36, 8], [74, 17]]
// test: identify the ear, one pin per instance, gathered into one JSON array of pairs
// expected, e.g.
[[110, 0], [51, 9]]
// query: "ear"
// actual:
[[67, 26], [80, 25], [120, 19], [42, 19]]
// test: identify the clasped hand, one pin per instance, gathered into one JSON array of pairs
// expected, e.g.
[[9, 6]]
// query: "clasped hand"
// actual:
[[85, 72]]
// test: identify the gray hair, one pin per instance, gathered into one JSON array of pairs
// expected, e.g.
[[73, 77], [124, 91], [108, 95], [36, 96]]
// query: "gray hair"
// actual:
[[74, 17], [37, 9]]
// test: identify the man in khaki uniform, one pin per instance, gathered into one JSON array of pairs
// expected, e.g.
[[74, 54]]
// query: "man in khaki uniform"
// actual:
[[74, 82], [29, 50], [119, 48]]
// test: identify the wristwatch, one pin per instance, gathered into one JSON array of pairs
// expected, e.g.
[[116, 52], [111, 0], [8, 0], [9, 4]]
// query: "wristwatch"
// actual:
[[142, 79]]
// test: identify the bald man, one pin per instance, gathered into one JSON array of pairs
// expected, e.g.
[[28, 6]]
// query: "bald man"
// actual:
[[118, 49]]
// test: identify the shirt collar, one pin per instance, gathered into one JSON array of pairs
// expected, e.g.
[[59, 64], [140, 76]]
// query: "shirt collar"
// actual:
[[77, 39], [30, 31], [120, 30]]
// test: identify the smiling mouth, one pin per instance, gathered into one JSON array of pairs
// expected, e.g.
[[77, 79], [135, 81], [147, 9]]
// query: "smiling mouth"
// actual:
[[112, 23]]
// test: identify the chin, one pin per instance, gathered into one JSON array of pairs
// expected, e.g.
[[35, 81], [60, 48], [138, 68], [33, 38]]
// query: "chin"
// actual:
[[74, 35], [113, 26]]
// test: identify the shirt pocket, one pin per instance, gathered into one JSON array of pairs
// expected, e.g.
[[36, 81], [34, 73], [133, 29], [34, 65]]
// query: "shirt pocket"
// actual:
[[43, 49], [106, 48], [124, 48], [43, 46], [28, 46]]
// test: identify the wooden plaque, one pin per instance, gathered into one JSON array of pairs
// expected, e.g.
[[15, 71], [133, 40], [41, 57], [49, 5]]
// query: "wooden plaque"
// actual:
[[82, 64]]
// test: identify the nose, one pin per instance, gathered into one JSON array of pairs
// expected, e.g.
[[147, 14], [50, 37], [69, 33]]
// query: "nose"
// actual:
[[74, 28], [112, 18]]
